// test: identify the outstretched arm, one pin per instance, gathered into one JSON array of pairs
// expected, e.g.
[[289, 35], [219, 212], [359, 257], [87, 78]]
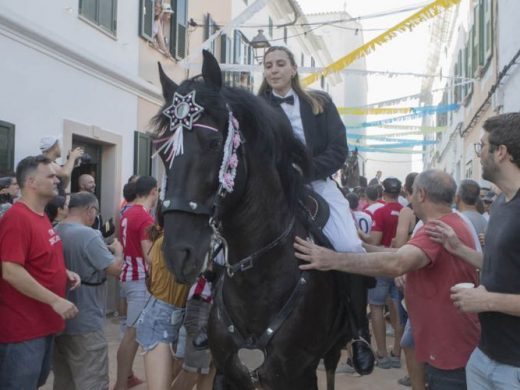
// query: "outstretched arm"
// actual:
[[442, 233], [389, 264]]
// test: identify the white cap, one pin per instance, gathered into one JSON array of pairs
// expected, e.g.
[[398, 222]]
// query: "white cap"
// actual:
[[167, 8], [48, 142]]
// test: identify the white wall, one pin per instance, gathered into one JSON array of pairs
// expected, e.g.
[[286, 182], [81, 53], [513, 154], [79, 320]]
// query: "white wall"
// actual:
[[39, 92], [59, 20]]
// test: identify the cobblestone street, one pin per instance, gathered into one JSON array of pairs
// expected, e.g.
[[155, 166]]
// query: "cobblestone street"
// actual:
[[379, 379]]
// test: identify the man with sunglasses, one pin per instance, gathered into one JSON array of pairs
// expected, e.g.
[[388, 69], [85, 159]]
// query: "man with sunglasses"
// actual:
[[495, 363]]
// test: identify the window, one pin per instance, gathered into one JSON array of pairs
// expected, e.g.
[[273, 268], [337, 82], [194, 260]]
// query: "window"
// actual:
[[488, 29], [6, 147], [270, 27], [226, 49], [142, 154], [179, 25], [146, 19], [468, 68], [442, 117], [210, 27], [100, 12], [285, 34], [242, 52]]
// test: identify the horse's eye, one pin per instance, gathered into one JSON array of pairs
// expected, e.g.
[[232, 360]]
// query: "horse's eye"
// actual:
[[214, 144]]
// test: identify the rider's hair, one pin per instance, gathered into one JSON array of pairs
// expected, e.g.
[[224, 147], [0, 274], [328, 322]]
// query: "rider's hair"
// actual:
[[316, 99]]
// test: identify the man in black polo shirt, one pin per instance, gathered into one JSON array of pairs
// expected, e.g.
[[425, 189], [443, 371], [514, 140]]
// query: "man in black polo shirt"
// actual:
[[495, 364]]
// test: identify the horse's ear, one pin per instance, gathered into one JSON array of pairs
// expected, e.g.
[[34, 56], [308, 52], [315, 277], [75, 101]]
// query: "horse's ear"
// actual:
[[168, 86], [210, 70]]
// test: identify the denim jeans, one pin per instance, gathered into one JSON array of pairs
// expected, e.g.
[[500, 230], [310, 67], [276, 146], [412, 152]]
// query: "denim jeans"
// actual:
[[484, 373], [438, 379], [25, 365]]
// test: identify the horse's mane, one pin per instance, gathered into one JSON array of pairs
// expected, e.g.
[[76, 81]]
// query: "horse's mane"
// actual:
[[269, 138]]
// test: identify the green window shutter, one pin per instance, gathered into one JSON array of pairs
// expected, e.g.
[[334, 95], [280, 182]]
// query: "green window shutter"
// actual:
[[481, 31], [207, 21], [142, 154], [488, 27], [475, 38], [223, 43], [271, 27], [146, 17], [101, 12], [179, 24], [107, 12], [6, 146], [88, 9]]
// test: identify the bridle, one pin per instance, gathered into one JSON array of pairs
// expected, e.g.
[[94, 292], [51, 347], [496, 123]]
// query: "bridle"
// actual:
[[227, 175]]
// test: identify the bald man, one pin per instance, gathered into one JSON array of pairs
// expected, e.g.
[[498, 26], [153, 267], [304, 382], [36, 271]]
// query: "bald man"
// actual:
[[87, 183]]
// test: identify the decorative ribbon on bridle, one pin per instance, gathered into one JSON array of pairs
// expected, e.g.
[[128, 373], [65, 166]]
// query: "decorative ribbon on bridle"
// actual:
[[228, 168]]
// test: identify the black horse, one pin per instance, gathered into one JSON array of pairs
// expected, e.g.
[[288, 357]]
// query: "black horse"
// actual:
[[270, 322], [350, 176]]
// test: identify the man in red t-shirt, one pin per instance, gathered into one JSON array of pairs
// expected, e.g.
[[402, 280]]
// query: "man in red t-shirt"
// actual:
[[133, 233], [33, 282], [444, 337]]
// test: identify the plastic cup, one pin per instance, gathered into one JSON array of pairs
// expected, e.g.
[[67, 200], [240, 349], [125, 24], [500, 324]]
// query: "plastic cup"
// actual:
[[464, 285]]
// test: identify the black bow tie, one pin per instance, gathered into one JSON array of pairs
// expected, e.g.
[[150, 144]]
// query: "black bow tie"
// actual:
[[279, 100]]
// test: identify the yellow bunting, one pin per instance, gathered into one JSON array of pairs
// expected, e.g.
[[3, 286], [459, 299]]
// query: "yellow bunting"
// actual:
[[428, 12], [373, 111]]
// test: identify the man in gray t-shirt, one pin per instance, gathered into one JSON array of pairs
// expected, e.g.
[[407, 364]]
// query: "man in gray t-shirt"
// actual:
[[466, 199], [81, 352]]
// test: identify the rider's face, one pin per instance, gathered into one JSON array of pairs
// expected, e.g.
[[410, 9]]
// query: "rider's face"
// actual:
[[278, 71]]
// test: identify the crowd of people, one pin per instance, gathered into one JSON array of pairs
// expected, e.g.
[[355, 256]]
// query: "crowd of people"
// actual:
[[444, 257]]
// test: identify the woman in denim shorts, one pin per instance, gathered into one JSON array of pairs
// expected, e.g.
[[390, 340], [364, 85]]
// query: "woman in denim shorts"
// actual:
[[159, 322]]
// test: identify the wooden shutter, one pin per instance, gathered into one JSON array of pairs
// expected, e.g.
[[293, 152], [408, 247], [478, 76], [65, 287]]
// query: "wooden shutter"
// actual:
[[6, 146], [146, 18], [179, 25], [488, 27], [142, 154]]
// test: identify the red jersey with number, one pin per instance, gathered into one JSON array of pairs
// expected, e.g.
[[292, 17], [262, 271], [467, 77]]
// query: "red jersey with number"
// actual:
[[444, 336], [385, 220], [133, 228], [28, 239]]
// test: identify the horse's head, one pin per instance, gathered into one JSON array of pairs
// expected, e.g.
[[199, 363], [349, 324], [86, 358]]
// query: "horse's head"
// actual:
[[191, 139]]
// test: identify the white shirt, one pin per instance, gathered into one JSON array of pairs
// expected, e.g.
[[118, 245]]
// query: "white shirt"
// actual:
[[293, 114]]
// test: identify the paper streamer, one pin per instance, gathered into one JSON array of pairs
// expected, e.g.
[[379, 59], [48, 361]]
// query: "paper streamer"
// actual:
[[426, 13], [388, 110], [364, 149], [362, 137], [405, 133], [426, 111]]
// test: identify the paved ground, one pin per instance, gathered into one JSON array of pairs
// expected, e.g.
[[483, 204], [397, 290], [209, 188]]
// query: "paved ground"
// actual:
[[378, 380]]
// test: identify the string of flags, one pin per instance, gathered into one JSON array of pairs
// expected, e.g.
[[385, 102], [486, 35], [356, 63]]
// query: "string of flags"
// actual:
[[426, 13]]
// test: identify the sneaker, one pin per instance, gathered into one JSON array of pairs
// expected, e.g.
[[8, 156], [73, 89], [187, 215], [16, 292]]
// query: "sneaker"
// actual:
[[395, 361], [405, 381], [345, 368], [383, 362]]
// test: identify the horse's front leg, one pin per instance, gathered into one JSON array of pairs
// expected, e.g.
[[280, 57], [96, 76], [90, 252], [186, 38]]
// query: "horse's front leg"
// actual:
[[220, 383]]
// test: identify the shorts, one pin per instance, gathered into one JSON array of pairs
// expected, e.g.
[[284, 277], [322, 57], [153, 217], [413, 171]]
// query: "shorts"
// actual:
[[407, 340], [385, 287], [136, 297], [159, 322], [81, 361]]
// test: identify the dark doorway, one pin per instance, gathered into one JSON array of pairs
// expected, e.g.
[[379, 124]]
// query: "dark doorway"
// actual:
[[90, 163]]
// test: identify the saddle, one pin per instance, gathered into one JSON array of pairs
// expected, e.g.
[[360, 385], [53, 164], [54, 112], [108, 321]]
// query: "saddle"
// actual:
[[316, 207]]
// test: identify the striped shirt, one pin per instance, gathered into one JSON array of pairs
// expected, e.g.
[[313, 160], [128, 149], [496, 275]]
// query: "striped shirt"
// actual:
[[133, 228]]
